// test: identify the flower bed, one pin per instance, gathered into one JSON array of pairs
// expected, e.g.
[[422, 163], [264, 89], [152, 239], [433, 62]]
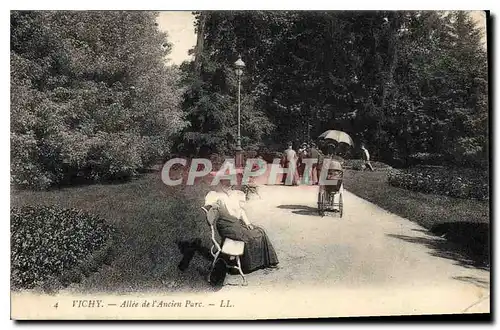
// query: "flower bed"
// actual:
[[454, 182], [53, 245]]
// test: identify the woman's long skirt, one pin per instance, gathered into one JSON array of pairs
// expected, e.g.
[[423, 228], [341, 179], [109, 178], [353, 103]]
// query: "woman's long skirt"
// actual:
[[259, 252]]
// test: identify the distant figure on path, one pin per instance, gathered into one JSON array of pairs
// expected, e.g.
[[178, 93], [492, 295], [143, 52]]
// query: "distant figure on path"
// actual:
[[366, 157], [290, 163], [300, 164], [314, 153]]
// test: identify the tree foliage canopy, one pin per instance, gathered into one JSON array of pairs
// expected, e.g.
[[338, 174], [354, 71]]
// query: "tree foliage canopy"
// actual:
[[402, 82], [91, 96]]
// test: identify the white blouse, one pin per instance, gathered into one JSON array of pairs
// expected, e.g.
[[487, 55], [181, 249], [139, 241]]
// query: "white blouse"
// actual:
[[229, 206]]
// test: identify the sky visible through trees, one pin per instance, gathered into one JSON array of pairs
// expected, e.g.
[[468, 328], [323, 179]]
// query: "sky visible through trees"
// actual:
[[180, 27]]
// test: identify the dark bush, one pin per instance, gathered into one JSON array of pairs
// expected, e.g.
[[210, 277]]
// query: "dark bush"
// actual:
[[250, 154], [48, 242], [270, 156], [454, 182], [217, 161]]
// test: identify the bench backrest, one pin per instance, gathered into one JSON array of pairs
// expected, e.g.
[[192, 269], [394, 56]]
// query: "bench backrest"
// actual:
[[211, 216]]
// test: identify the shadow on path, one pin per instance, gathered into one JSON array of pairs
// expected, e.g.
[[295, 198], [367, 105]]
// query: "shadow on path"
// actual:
[[466, 243], [473, 280], [300, 209]]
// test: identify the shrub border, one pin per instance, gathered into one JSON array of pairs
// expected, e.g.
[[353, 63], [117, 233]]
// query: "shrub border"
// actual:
[[102, 256], [86, 268]]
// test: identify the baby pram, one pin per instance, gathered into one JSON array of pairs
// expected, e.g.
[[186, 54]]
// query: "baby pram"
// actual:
[[328, 192]]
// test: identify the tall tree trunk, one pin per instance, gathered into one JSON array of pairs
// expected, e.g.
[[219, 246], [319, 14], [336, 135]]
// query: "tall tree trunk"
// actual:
[[395, 24], [199, 42]]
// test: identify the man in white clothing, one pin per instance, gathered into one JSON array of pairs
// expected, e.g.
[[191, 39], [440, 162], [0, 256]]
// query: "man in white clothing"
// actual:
[[366, 157], [290, 162]]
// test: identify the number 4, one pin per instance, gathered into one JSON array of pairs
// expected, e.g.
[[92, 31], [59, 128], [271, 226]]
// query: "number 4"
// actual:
[[56, 305]]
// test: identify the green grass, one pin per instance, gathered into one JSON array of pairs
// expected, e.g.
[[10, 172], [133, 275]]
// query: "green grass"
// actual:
[[425, 209], [150, 218], [462, 221]]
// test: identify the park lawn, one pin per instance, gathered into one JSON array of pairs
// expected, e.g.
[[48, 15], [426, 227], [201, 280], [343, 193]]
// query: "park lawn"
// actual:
[[426, 209], [463, 221], [151, 218]]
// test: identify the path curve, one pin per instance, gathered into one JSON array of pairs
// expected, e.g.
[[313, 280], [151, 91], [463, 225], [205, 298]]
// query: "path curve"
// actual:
[[368, 253]]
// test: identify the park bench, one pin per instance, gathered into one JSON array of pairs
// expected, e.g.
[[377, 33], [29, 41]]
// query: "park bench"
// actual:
[[231, 248]]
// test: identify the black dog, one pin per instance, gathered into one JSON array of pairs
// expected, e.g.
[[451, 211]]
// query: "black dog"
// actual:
[[188, 249], [218, 273]]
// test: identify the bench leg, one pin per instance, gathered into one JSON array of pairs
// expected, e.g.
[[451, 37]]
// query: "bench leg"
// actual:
[[212, 251], [241, 271], [215, 260]]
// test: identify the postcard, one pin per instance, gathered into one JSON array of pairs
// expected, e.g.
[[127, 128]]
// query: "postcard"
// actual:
[[249, 165]]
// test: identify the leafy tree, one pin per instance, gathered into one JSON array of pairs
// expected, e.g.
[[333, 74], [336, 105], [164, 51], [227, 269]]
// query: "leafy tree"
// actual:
[[91, 96], [210, 102], [466, 92]]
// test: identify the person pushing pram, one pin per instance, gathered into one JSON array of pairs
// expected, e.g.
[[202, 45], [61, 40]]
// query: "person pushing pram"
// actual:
[[330, 179], [331, 174]]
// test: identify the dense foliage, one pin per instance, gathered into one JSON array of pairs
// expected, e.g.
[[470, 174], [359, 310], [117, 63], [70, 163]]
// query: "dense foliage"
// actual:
[[459, 182], [91, 96], [403, 82], [47, 242]]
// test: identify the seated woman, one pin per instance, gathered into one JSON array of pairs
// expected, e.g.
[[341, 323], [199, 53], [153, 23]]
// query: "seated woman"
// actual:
[[233, 223]]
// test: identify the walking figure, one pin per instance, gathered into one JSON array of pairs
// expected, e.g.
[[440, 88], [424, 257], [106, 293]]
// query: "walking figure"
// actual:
[[301, 166], [290, 162], [366, 157], [315, 154]]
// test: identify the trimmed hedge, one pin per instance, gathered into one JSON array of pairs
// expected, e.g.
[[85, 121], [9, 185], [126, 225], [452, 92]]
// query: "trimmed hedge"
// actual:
[[454, 182], [425, 158], [50, 244], [357, 165]]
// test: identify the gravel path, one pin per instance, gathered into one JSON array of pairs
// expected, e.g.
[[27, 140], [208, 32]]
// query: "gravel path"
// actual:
[[368, 253]]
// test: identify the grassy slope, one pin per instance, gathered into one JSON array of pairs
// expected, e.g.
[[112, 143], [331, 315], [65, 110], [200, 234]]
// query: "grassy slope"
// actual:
[[426, 209], [151, 218], [462, 221]]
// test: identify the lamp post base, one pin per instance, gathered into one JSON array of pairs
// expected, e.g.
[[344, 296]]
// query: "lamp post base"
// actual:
[[239, 164], [238, 154]]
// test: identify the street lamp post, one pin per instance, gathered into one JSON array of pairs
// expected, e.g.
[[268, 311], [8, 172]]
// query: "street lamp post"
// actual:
[[240, 65]]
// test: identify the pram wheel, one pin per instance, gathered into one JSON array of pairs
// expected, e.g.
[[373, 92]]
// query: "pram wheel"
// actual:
[[341, 205]]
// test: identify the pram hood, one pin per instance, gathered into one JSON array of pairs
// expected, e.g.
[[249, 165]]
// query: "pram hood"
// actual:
[[332, 164]]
